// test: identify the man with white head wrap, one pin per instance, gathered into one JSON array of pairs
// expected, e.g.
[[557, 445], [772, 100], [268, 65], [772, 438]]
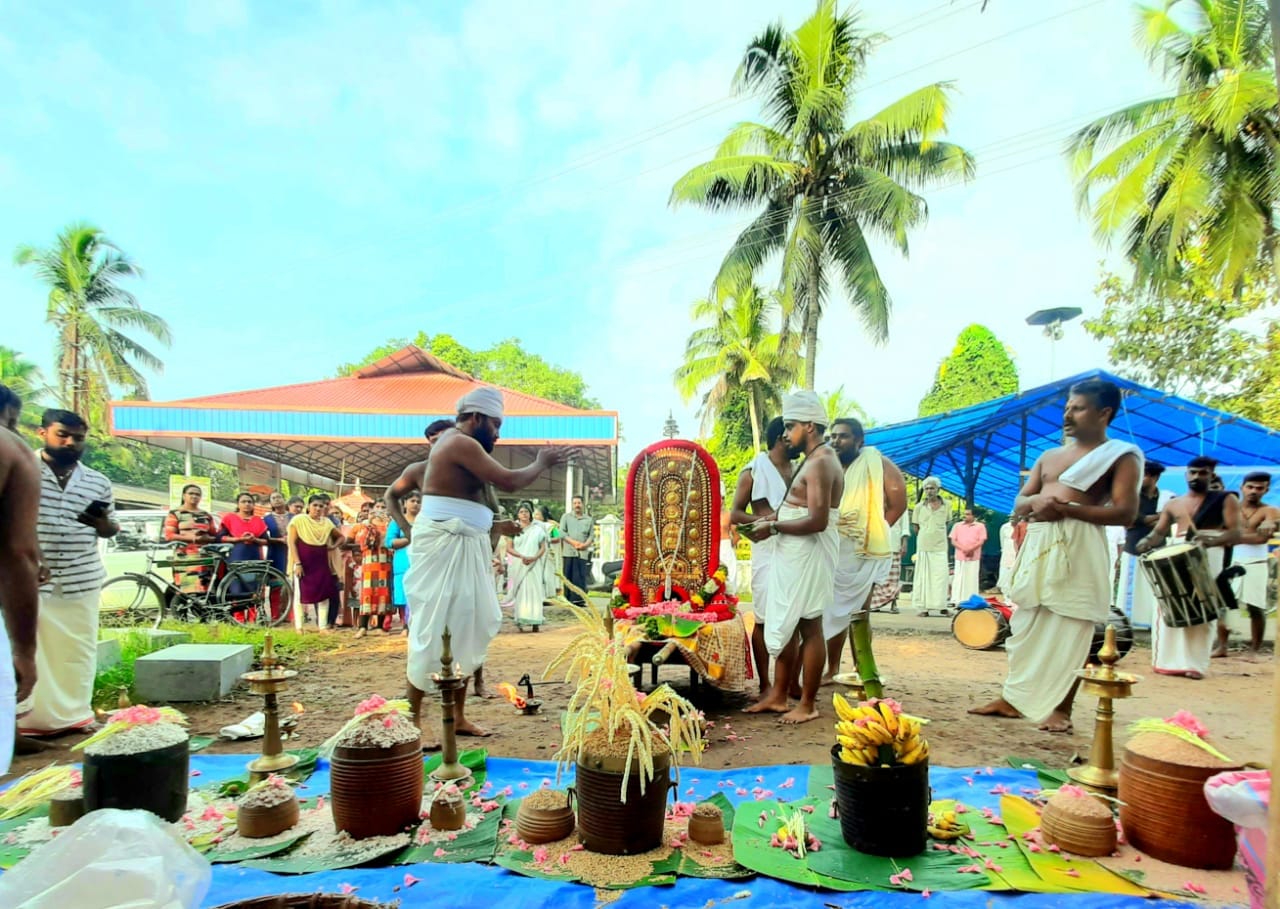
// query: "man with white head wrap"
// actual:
[[929, 581], [802, 585], [449, 584]]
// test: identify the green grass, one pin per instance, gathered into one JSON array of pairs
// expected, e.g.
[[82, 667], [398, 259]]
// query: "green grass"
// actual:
[[108, 682]]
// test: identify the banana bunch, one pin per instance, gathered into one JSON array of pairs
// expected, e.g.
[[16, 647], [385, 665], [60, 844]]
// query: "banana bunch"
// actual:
[[945, 826], [864, 731]]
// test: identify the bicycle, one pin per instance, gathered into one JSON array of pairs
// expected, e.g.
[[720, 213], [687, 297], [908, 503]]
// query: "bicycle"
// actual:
[[237, 592]]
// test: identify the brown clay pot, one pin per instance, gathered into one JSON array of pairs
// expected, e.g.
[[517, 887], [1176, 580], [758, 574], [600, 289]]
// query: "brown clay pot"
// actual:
[[1162, 806], [1075, 825], [448, 812], [608, 825], [706, 828], [376, 791], [256, 821], [543, 825]]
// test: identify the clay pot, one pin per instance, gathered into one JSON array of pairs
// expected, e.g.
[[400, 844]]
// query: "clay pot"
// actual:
[[1162, 806], [448, 811], [883, 810], [66, 808], [706, 825], [256, 821], [608, 825], [543, 825], [1082, 825], [154, 781], [376, 791]]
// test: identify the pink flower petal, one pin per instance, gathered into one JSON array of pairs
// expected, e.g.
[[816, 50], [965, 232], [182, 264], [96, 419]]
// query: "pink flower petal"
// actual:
[[439, 853], [564, 858], [195, 773], [540, 855], [1071, 872], [410, 880], [926, 893], [906, 874], [347, 888], [967, 779]]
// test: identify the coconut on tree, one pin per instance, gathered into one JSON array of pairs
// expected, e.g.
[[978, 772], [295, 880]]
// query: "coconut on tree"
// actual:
[[1194, 171], [95, 319], [824, 185], [739, 343]]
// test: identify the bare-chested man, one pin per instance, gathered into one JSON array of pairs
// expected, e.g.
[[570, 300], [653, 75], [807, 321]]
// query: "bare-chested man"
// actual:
[[1212, 518], [448, 585], [1259, 523], [19, 582], [802, 586], [1060, 578], [761, 486]]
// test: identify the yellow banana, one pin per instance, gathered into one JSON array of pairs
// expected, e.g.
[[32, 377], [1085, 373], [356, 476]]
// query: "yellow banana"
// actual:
[[852, 757], [890, 719], [846, 727], [878, 733], [849, 741], [917, 754], [844, 710]]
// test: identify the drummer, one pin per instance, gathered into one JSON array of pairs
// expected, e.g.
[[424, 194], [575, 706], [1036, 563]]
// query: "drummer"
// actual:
[[1259, 521], [1212, 519], [1060, 578]]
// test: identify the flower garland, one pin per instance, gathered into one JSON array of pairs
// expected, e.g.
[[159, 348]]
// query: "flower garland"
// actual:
[[132, 718]]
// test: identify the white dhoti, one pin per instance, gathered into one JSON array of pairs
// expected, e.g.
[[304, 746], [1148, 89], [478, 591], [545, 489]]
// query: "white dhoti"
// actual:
[[1005, 579], [802, 578], [528, 588], [964, 583], [1251, 590], [729, 559], [8, 703], [1136, 598], [1185, 651], [761, 570], [929, 582], [1061, 590], [854, 578], [450, 585], [66, 663]]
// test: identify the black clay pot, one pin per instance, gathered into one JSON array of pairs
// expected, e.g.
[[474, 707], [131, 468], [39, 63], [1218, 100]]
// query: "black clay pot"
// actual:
[[154, 781], [883, 810]]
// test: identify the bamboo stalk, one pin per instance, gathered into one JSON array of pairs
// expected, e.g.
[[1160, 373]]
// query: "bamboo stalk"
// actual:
[[865, 660]]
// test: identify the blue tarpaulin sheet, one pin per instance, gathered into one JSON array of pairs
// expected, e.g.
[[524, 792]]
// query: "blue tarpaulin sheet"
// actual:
[[988, 444], [486, 887]]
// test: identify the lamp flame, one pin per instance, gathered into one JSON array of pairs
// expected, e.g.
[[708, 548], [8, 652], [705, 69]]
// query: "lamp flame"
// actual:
[[511, 694], [297, 707]]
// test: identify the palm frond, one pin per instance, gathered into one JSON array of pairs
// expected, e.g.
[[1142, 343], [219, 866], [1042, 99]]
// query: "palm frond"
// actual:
[[732, 181], [848, 248]]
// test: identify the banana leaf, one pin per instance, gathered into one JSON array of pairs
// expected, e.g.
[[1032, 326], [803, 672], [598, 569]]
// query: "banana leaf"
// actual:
[[288, 863], [661, 872], [261, 850], [1062, 875], [199, 743], [12, 853], [751, 847], [822, 781], [1015, 871], [479, 844], [689, 868], [1049, 778], [660, 627], [473, 759]]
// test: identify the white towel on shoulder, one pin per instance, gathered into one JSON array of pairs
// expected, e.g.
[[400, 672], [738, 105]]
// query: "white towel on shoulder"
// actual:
[[1093, 467]]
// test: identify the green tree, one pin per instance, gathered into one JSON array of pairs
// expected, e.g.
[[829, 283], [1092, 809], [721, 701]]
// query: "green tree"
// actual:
[[1259, 395], [826, 186], [838, 404], [1190, 338], [978, 369], [737, 344], [506, 363], [93, 316], [1195, 169]]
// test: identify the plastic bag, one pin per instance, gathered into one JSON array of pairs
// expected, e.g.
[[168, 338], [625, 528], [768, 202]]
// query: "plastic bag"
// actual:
[[110, 859], [1242, 797]]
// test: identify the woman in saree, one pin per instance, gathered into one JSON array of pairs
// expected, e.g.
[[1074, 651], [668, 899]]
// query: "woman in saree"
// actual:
[[192, 528], [311, 538], [527, 588], [551, 563]]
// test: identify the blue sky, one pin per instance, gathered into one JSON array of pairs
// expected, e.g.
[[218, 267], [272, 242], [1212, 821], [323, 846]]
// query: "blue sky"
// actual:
[[301, 182]]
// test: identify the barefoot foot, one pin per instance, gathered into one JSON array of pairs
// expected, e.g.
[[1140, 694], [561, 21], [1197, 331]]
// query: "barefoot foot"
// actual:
[[768, 705], [466, 727], [800, 715], [998, 707], [1057, 722], [23, 744], [1218, 653]]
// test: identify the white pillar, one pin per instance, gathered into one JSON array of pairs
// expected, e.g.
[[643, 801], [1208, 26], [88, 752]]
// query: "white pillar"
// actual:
[[187, 457], [568, 487]]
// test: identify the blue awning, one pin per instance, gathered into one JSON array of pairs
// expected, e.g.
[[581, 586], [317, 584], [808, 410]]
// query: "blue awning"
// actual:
[[982, 450]]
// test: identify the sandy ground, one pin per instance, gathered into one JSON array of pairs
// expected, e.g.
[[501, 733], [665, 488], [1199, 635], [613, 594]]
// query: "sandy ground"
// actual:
[[931, 674]]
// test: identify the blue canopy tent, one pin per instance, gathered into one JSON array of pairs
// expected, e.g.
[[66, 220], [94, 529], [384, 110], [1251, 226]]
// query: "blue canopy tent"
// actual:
[[983, 451]]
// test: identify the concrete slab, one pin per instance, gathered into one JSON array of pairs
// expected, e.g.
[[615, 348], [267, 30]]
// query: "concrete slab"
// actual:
[[108, 654], [157, 639], [190, 672]]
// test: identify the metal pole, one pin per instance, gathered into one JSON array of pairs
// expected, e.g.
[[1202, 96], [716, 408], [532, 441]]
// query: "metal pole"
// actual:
[[568, 488], [186, 462]]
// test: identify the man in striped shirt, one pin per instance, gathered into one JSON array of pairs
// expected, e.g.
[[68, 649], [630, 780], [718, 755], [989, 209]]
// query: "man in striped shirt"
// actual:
[[76, 511]]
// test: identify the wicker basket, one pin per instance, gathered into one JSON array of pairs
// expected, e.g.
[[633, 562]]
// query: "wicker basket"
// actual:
[[308, 901]]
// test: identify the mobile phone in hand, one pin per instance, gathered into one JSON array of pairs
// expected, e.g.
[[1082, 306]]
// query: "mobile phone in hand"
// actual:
[[93, 511]]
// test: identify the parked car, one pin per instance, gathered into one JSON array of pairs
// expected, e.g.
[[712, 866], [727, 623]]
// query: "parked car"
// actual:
[[127, 550]]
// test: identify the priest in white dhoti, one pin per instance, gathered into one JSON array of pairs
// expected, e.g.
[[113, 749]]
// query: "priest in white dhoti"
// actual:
[[1008, 554], [76, 511], [1060, 576], [930, 578], [758, 495], [1211, 519], [968, 538], [449, 586], [801, 583], [875, 496]]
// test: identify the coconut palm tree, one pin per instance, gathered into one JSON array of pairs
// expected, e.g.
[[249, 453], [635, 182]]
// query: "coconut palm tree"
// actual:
[[91, 314], [739, 344], [1197, 168], [838, 404], [826, 186], [19, 374]]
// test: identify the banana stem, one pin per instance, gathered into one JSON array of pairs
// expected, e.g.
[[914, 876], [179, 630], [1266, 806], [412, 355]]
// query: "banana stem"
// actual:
[[865, 660]]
